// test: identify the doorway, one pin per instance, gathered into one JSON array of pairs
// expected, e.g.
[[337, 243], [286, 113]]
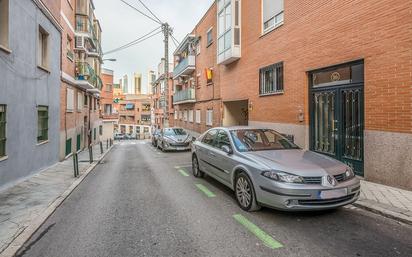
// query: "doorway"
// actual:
[[337, 113], [236, 113]]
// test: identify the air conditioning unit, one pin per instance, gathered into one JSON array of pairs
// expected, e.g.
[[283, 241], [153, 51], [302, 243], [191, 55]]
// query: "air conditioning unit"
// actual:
[[79, 42]]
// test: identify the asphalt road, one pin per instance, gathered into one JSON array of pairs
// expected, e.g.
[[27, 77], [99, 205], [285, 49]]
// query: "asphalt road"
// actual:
[[137, 203]]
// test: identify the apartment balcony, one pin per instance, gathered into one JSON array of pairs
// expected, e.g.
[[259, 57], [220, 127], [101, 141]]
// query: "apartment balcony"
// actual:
[[110, 116], [87, 77], [185, 67], [127, 113], [86, 36], [184, 96]]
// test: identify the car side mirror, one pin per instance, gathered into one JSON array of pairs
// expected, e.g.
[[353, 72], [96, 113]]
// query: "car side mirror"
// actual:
[[227, 149]]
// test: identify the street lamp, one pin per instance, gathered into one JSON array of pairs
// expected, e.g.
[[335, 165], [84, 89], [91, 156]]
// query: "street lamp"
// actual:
[[110, 60]]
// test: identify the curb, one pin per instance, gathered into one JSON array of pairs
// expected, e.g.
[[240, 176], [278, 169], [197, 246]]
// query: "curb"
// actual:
[[377, 209], [35, 224]]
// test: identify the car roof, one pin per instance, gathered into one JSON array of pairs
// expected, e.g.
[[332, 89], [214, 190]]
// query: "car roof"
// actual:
[[231, 128]]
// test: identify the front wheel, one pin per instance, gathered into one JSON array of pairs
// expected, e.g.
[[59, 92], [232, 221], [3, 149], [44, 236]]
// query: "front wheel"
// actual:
[[245, 193], [195, 168]]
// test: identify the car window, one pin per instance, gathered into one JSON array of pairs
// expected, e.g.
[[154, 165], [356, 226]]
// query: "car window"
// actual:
[[174, 132], [209, 137], [222, 139]]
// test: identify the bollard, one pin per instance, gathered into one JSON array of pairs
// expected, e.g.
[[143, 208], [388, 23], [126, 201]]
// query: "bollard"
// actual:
[[76, 164], [101, 147], [91, 153], [111, 142], [107, 144]]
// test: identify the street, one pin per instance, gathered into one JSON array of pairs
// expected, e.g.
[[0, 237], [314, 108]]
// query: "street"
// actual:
[[142, 202]]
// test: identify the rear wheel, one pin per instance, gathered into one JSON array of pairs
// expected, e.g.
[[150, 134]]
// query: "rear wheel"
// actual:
[[245, 193], [195, 168]]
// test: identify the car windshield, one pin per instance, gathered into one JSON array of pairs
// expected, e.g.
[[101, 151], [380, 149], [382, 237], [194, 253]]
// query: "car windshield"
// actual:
[[247, 140], [174, 132]]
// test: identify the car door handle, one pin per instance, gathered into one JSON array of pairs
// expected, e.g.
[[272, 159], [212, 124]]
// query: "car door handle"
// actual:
[[211, 154]]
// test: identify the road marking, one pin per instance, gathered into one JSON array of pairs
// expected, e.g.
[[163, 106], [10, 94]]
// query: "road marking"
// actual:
[[183, 173], [206, 191], [262, 235], [177, 167]]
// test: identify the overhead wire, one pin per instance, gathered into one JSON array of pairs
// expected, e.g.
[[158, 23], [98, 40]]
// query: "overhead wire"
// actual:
[[147, 8], [142, 13]]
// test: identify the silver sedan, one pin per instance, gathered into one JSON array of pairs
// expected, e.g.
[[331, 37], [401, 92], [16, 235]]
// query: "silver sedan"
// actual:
[[174, 139], [266, 169]]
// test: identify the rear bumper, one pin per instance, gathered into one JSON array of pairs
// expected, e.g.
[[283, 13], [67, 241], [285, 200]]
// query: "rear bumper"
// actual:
[[305, 197]]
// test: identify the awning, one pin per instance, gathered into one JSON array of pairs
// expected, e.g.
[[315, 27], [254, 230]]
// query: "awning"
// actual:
[[129, 106]]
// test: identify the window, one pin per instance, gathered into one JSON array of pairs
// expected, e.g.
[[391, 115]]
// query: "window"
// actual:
[[271, 79], [209, 117], [272, 14], [198, 116], [69, 48], [70, 100], [209, 138], [4, 23], [109, 87], [94, 133], [198, 48], [2, 130], [86, 98], [42, 123], [43, 48], [191, 116], [222, 139], [185, 115], [79, 101], [175, 115], [225, 25], [209, 37]]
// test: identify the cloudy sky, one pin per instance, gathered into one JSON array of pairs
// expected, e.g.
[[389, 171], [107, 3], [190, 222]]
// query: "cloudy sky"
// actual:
[[121, 24]]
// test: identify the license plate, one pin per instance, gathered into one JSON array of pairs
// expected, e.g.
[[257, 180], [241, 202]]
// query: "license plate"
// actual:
[[335, 193]]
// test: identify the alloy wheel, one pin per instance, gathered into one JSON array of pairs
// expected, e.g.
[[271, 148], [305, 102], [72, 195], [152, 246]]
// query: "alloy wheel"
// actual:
[[243, 192]]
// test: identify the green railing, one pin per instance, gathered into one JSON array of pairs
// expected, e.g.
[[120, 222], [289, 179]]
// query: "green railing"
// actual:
[[85, 72]]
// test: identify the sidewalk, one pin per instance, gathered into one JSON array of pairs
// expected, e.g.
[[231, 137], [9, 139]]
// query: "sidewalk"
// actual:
[[388, 201], [36, 198]]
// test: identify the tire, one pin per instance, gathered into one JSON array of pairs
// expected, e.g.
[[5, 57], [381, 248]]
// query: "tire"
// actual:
[[163, 147], [245, 193], [196, 169]]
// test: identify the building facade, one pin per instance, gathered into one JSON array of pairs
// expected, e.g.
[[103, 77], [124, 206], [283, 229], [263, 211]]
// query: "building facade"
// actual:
[[135, 116], [81, 82], [151, 78], [159, 96], [108, 115], [339, 87], [30, 39], [137, 82]]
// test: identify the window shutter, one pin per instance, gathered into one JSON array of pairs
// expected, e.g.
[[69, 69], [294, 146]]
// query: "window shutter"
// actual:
[[70, 99]]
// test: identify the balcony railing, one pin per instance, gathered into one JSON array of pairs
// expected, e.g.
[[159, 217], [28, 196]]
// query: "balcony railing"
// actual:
[[184, 96], [85, 72], [185, 66]]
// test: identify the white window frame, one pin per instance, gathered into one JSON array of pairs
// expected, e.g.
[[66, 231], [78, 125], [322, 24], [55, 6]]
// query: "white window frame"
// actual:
[[176, 114], [4, 25], [209, 32], [209, 117], [191, 116], [69, 100], [185, 115], [43, 48], [198, 116], [278, 19], [221, 35]]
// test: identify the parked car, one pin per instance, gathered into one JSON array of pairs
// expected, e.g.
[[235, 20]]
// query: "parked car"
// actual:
[[266, 169], [130, 136], [176, 139], [155, 136], [119, 136]]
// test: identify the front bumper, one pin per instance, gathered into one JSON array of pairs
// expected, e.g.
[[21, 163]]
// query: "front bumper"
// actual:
[[177, 147], [304, 197]]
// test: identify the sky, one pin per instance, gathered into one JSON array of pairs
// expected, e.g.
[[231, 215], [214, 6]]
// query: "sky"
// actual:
[[121, 24]]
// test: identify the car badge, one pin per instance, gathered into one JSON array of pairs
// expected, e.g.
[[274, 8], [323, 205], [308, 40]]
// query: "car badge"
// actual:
[[329, 181]]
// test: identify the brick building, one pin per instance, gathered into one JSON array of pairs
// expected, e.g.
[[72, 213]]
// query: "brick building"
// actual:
[[81, 83], [158, 98], [335, 75], [107, 114]]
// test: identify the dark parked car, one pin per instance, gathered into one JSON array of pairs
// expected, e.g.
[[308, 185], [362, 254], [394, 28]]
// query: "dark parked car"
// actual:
[[119, 136]]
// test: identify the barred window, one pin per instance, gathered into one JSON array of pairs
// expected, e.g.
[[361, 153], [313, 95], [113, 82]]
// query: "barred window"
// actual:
[[2, 130], [42, 123], [271, 79]]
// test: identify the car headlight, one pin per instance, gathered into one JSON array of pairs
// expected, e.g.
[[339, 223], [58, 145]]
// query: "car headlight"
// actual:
[[282, 177], [168, 140], [349, 173]]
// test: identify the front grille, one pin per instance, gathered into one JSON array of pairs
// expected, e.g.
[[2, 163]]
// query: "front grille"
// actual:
[[318, 180], [180, 144], [312, 180], [326, 201]]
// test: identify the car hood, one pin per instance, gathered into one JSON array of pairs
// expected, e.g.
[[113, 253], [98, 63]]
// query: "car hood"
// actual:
[[179, 138], [298, 162]]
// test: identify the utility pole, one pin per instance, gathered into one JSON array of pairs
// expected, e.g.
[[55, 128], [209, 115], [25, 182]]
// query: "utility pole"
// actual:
[[166, 31]]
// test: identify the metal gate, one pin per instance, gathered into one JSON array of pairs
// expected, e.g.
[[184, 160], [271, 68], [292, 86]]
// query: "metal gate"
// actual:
[[337, 113]]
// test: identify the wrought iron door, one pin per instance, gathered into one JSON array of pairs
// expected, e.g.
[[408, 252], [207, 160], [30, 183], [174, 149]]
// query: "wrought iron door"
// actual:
[[337, 114]]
